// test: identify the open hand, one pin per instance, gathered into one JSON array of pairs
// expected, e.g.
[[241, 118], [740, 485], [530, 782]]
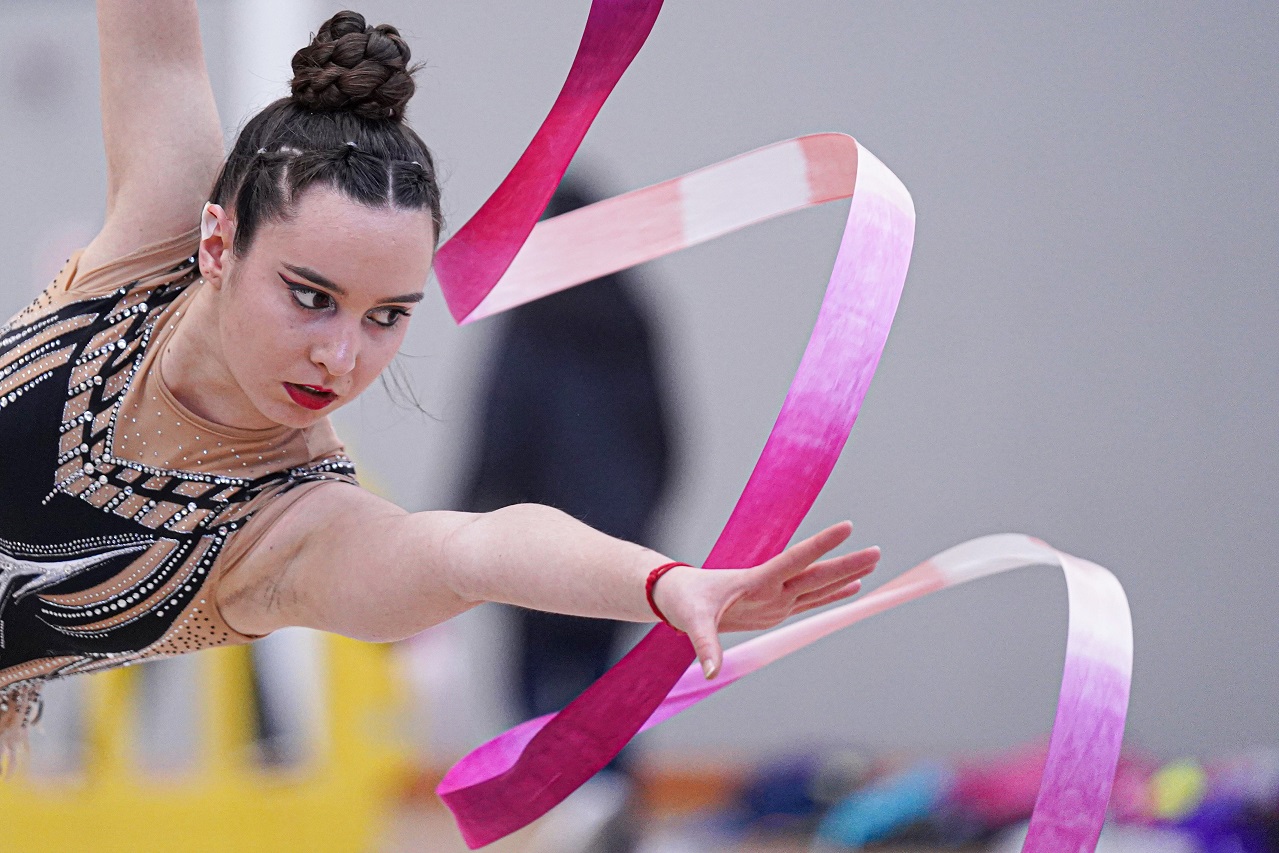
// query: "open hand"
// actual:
[[704, 602]]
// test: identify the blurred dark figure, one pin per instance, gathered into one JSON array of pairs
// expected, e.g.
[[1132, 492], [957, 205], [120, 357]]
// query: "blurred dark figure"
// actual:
[[575, 417]]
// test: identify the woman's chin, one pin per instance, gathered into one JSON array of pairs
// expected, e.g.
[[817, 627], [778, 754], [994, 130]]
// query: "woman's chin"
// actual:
[[301, 418], [294, 407], [286, 413]]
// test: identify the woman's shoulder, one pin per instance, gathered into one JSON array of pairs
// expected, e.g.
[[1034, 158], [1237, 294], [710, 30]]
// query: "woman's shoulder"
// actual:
[[284, 525], [89, 273], [322, 442], [151, 265]]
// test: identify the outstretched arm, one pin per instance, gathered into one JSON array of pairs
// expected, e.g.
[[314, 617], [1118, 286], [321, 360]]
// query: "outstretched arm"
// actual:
[[346, 561], [159, 123]]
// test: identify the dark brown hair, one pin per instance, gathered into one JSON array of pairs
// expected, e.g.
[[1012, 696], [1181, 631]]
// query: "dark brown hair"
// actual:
[[343, 127]]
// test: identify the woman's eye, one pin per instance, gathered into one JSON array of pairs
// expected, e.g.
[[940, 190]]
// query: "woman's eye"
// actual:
[[388, 317], [309, 298]]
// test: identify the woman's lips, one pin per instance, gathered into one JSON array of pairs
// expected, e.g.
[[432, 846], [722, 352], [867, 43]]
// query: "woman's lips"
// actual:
[[310, 396]]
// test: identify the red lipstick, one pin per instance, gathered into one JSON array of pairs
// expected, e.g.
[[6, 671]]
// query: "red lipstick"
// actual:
[[311, 397]]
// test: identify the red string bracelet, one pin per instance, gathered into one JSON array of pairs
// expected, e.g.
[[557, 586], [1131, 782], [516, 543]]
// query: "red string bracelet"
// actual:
[[653, 577]]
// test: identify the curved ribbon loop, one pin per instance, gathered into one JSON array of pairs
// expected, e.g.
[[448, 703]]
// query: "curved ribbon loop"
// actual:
[[515, 778]]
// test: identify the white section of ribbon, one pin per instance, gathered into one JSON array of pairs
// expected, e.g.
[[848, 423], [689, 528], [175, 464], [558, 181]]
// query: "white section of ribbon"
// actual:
[[874, 177], [743, 191]]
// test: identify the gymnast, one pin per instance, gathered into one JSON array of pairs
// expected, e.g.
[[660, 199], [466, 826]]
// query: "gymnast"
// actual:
[[171, 481]]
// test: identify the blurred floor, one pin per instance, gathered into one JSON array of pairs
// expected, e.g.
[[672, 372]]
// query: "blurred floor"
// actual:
[[425, 829], [416, 829], [681, 809]]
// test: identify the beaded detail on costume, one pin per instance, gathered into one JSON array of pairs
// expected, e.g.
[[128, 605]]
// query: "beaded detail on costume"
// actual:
[[107, 544]]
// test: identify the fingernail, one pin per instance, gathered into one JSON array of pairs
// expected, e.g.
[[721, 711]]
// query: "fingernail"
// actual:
[[708, 669]]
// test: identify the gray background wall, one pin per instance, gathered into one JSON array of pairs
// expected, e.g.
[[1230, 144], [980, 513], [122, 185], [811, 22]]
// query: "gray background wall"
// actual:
[[1086, 349]]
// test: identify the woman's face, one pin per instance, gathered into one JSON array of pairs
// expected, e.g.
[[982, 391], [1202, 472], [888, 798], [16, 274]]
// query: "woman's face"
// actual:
[[319, 304]]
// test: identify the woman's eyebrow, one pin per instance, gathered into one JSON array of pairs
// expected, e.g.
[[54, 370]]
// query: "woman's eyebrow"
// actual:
[[316, 278], [328, 284], [408, 297]]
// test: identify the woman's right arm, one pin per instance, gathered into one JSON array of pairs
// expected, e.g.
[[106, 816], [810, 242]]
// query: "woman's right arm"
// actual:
[[344, 560], [159, 123]]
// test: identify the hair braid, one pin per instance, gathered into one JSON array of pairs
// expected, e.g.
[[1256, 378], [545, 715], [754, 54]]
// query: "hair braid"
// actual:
[[348, 66]]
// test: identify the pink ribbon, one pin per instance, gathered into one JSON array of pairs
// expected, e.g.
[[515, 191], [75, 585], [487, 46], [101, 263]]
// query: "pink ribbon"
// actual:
[[500, 259], [474, 258]]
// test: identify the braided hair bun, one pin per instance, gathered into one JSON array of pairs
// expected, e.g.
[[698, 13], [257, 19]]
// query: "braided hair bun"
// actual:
[[343, 127], [351, 67]]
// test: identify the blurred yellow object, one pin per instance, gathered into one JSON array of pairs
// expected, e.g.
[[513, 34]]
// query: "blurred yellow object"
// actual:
[[1177, 789], [335, 802]]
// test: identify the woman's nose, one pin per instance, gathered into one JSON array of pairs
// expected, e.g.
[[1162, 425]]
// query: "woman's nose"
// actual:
[[337, 350]]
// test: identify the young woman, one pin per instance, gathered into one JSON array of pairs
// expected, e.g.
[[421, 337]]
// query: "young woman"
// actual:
[[171, 481]]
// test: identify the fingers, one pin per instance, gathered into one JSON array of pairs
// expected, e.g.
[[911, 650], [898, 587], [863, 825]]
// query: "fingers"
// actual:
[[828, 597], [826, 588], [823, 591], [803, 554], [794, 581], [844, 568]]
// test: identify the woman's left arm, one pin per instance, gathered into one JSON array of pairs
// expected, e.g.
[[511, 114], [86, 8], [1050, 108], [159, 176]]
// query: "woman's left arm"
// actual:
[[160, 124], [343, 560]]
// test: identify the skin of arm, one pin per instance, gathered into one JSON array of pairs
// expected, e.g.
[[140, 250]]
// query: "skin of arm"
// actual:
[[346, 561], [160, 125]]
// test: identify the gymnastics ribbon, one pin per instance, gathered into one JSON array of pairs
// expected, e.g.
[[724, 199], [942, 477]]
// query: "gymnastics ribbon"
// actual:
[[507, 259], [474, 258]]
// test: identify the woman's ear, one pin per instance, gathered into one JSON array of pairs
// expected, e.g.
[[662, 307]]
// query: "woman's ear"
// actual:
[[216, 231]]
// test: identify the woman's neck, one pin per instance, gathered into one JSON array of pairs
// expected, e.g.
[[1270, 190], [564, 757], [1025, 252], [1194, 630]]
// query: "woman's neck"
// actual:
[[194, 370]]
